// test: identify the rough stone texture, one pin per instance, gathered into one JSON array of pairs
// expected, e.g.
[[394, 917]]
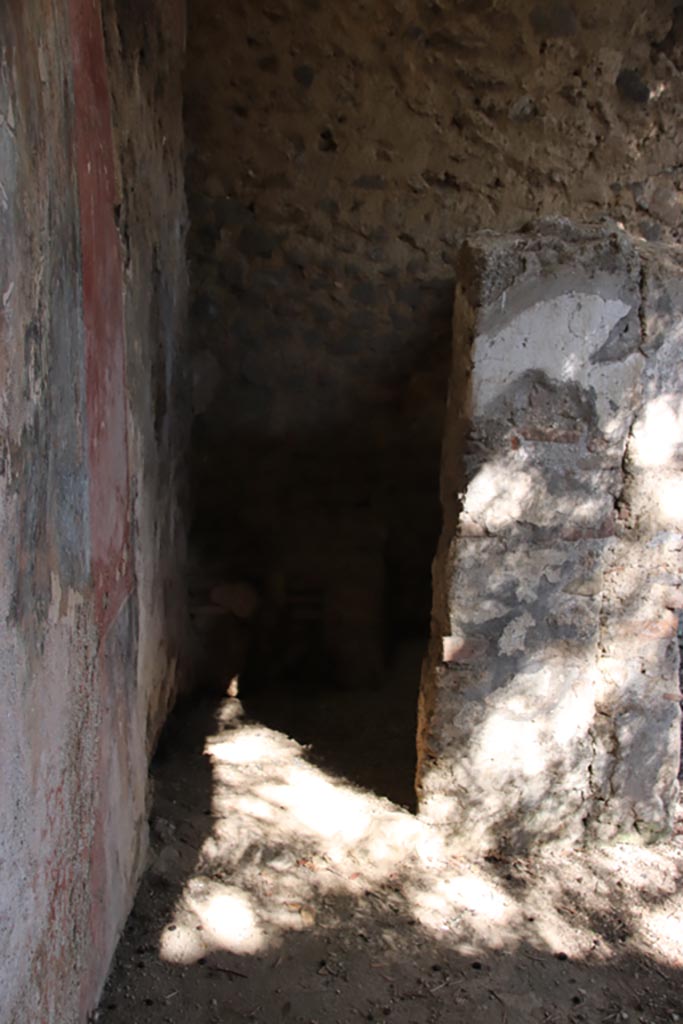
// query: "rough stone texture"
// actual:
[[549, 702], [90, 532], [338, 156]]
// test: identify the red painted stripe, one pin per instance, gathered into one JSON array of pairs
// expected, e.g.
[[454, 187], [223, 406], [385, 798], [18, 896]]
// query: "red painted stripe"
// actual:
[[103, 316], [110, 536]]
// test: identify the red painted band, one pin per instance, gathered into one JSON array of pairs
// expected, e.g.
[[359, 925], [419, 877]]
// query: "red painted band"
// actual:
[[102, 315]]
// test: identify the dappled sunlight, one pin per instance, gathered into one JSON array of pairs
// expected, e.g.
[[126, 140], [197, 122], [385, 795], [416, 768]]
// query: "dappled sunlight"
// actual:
[[478, 895], [181, 943], [291, 843], [556, 933], [500, 492], [666, 932], [499, 741], [658, 434], [465, 904], [250, 746], [529, 732], [655, 450], [214, 916], [226, 917], [320, 807], [510, 490], [670, 500], [547, 689]]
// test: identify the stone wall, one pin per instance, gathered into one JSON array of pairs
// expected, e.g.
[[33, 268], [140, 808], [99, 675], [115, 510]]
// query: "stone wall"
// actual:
[[91, 538], [338, 155], [549, 703]]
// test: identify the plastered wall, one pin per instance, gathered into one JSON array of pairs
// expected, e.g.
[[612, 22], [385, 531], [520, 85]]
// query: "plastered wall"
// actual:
[[91, 538]]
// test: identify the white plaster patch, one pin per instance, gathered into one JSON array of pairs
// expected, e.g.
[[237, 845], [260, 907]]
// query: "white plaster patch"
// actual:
[[558, 337]]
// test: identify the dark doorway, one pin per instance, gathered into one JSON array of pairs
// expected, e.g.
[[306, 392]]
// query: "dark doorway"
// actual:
[[320, 342]]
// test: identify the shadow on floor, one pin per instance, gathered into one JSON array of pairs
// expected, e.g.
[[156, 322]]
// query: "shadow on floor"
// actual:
[[365, 737], [278, 892]]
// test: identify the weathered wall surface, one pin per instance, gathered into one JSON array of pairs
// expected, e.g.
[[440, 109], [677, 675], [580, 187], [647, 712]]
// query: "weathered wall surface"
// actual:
[[89, 528], [146, 57], [339, 154], [549, 703]]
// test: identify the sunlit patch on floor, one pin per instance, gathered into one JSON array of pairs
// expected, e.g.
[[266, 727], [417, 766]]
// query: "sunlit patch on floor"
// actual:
[[291, 844]]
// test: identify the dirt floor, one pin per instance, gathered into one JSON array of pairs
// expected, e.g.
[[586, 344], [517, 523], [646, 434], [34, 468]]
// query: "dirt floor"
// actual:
[[285, 885]]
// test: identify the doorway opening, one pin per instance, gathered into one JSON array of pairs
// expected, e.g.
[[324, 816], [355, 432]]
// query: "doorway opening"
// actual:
[[320, 347]]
